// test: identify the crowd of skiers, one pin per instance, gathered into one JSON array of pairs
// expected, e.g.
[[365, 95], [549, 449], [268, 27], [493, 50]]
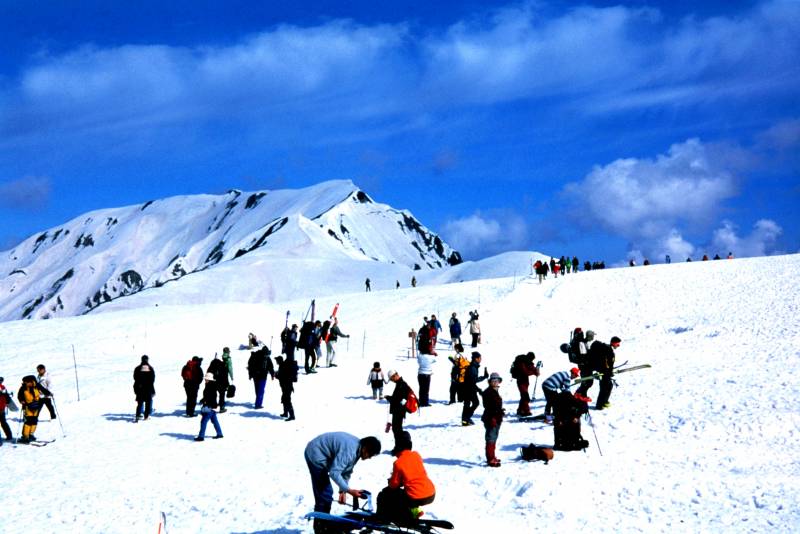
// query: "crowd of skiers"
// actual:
[[332, 456]]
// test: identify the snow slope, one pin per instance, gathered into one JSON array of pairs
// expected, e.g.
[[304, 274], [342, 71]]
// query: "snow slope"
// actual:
[[705, 441]]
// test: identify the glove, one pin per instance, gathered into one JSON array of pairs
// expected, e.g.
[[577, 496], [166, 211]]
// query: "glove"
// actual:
[[486, 372]]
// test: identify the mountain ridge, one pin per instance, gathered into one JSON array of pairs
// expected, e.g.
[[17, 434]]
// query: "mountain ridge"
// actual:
[[112, 253]]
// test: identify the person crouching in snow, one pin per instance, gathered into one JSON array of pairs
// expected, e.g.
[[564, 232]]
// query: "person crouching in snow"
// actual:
[[209, 402], [492, 418], [409, 486], [555, 384]]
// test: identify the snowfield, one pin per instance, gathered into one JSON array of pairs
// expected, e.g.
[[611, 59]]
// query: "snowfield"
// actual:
[[707, 440]]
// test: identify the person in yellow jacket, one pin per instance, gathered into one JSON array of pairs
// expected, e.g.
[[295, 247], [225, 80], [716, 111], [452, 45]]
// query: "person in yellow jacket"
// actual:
[[409, 486], [30, 399]]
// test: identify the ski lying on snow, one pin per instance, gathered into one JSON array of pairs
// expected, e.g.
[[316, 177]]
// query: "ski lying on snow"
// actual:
[[364, 520]]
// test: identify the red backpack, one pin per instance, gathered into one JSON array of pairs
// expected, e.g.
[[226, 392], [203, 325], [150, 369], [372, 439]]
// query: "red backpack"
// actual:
[[186, 372], [412, 403]]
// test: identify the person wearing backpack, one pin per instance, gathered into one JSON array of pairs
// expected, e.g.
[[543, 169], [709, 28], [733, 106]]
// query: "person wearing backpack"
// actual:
[[289, 338], [492, 417], [397, 404], [259, 366], [287, 376], [602, 357], [459, 370], [192, 374], [306, 341], [470, 391], [218, 368], [521, 371], [31, 404], [424, 338], [5, 398]]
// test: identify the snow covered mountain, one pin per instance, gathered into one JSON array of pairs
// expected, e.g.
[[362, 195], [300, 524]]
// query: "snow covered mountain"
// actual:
[[111, 253]]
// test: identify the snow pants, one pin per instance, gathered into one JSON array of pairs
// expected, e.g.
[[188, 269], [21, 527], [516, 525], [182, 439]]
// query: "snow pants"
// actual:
[[424, 389], [524, 407], [259, 384]]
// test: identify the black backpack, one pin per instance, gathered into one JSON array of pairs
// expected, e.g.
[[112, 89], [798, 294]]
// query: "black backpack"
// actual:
[[515, 367], [305, 339]]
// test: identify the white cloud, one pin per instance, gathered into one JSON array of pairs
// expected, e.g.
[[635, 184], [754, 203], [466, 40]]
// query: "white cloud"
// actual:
[[28, 193], [479, 236], [653, 203], [600, 59], [760, 241], [784, 135], [644, 199]]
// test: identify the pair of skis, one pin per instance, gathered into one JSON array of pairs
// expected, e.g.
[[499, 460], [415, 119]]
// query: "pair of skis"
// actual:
[[362, 521], [617, 371]]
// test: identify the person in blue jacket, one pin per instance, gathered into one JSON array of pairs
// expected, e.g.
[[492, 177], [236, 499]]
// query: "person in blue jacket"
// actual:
[[332, 456]]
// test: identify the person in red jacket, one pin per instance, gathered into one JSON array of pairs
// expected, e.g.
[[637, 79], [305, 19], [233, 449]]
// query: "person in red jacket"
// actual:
[[409, 486], [492, 418], [521, 371], [5, 398]]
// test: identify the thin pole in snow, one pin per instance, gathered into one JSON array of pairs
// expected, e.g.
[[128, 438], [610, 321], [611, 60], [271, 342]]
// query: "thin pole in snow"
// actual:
[[75, 364], [363, 344]]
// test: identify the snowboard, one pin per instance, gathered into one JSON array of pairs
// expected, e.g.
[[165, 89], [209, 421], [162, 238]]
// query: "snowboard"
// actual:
[[353, 521]]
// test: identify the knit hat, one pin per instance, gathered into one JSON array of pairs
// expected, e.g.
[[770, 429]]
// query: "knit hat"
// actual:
[[145, 358], [476, 354], [589, 335], [574, 372], [210, 377], [391, 373], [403, 443], [495, 376]]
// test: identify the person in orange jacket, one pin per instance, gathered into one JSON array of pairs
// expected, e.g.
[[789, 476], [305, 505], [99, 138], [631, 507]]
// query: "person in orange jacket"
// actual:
[[409, 486]]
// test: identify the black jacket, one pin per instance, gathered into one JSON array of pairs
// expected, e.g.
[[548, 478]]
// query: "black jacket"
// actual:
[[220, 371], [259, 366], [144, 381], [397, 400], [210, 395], [601, 357]]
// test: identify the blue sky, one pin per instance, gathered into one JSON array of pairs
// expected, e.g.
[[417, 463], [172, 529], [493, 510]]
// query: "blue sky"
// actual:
[[606, 130]]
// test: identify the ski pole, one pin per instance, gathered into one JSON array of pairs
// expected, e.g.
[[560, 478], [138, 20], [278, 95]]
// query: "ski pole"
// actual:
[[58, 416], [539, 365], [591, 424]]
